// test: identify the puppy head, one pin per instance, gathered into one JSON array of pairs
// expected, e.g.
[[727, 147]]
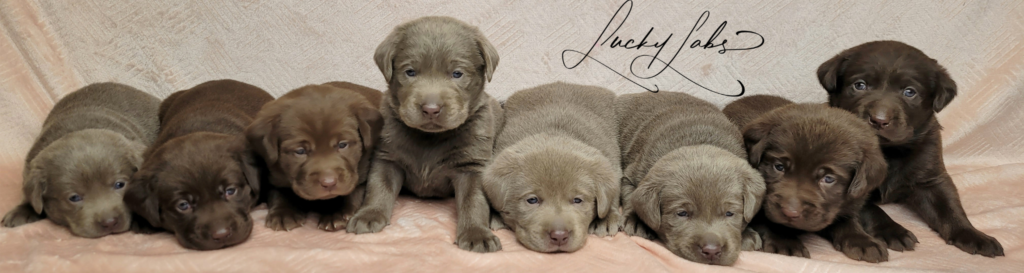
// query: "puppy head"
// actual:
[[892, 86], [548, 189], [817, 161], [316, 139], [200, 187], [698, 200], [435, 68], [79, 181]]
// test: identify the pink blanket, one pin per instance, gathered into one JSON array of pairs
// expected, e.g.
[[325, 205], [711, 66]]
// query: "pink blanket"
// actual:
[[51, 48]]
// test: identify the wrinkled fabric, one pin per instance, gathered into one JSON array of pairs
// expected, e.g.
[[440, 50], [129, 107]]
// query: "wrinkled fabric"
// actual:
[[51, 48]]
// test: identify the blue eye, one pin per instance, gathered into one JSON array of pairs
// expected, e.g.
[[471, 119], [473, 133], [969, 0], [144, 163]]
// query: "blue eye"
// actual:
[[828, 179], [728, 214], [457, 74], [183, 205], [683, 214], [860, 85], [230, 191], [119, 185], [532, 200], [577, 200], [410, 73], [780, 167], [342, 145], [300, 151], [75, 198], [909, 92]]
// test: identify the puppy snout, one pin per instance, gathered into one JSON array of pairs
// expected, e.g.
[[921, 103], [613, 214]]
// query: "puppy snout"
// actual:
[[327, 179], [711, 251], [559, 237], [431, 110], [880, 119], [109, 223], [219, 234], [792, 209]]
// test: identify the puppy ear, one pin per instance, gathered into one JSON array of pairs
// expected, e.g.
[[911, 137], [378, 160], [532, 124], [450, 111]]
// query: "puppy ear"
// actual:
[[871, 172], [34, 188], [140, 197], [606, 185], [646, 201], [370, 125], [489, 53], [829, 72], [262, 137], [753, 192], [755, 138], [385, 54], [945, 89], [135, 151], [251, 166], [499, 178]]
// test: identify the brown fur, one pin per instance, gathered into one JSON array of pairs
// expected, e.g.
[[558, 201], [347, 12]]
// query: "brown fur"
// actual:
[[199, 158], [681, 154], [558, 147], [91, 143], [909, 136], [434, 155], [798, 148], [300, 136]]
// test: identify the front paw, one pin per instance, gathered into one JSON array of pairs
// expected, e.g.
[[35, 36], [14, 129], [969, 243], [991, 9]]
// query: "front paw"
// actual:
[[862, 248], [607, 226], [785, 246], [20, 215], [896, 237], [479, 240], [636, 227], [285, 219], [368, 221], [751, 240], [975, 242], [333, 221]]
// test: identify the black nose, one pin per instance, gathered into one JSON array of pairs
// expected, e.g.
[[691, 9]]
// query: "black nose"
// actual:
[[559, 237], [109, 223], [711, 251]]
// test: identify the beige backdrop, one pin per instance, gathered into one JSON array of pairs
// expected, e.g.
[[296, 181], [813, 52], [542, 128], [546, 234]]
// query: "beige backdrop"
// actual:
[[50, 48]]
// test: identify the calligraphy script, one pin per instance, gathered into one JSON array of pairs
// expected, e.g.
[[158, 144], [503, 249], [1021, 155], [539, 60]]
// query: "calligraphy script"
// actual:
[[614, 41]]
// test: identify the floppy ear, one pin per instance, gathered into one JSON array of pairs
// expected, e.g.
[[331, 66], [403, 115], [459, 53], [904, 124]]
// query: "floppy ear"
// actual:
[[870, 174], [829, 72], [141, 199], [385, 54], [646, 201], [251, 166], [135, 151], [755, 138], [370, 125], [498, 178], [34, 188], [262, 138], [753, 192], [489, 53], [945, 89]]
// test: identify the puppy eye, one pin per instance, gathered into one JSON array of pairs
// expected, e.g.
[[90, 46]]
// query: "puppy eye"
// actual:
[[779, 167], [532, 200], [230, 191], [457, 74], [342, 145], [183, 206], [728, 214], [828, 179], [119, 185], [75, 198], [300, 151], [683, 214], [577, 200], [909, 92], [860, 85], [410, 73]]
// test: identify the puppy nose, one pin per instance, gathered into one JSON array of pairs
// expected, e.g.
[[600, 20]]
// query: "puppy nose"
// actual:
[[108, 223], [711, 251], [328, 181], [431, 110], [559, 237], [791, 212], [221, 234], [879, 120]]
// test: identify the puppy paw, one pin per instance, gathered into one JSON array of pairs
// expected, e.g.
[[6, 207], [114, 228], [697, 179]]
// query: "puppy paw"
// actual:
[[497, 222], [479, 240], [285, 219], [20, 215], [751, 240], [785, 246], [896, 237], [367, 221], [607, 226], [333, 221], [975, 242], [636, 227], [862, 248]]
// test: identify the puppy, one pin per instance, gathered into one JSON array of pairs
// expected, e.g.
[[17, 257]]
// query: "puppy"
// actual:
[[686, 177], [199, 179], [77, 170], [439, 126], [819, 164], [897, 89], [555, 177], [317, 141]]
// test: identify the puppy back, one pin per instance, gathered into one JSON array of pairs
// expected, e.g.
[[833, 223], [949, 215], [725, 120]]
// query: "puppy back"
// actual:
[[744, 110], [221, 106]]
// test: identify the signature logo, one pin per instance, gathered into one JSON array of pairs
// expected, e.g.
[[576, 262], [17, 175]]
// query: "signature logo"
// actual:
[[617, 42]]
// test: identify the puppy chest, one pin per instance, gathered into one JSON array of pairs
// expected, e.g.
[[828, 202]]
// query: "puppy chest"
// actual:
[[429, 180]]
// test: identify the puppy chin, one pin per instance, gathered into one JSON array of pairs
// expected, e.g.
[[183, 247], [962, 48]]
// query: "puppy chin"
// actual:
[[94, 232], [728, 257], [317, 193], [894, 136]]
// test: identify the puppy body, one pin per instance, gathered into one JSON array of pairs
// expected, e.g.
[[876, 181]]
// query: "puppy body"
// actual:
[[317, 141], [200, 179], [439, 125], [556, 175], [897, 89], [76, 172], [819, 165], [686, 177]]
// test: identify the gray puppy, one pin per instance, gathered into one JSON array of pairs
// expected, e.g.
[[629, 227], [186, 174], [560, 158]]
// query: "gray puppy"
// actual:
[[439, 126], [557, 170], [686, 177], [77, 170]]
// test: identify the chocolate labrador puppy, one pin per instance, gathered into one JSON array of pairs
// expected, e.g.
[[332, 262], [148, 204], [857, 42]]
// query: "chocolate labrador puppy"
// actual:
[[556, 175], [820, 164], [317, 141], [439, 126], [200, 179], [77, 170], [686, 177], [897, 89]]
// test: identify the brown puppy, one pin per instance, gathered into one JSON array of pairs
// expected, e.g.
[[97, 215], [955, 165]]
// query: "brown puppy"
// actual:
[[199, 179], [556, 175], [439, 126], [317, 141], [898, 89], [686, 177], [91, 144], [819, 163]]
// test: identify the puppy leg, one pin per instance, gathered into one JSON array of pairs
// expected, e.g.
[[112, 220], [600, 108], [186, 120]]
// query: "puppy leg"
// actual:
[[633, 225], [611, 224], [498, 222], [877, 223], [338, 211], [779, 239], [282, 212], [849, 237], [751, 240], [473, 215], [20, 215], [382, 188], [938, 204]]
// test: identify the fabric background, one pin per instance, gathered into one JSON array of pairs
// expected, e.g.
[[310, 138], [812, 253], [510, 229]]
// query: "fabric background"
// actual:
[[51, 48]]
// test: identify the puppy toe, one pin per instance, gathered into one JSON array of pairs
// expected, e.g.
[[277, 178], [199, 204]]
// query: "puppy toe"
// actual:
[[367, 221], [478, 240], [23, 214]]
